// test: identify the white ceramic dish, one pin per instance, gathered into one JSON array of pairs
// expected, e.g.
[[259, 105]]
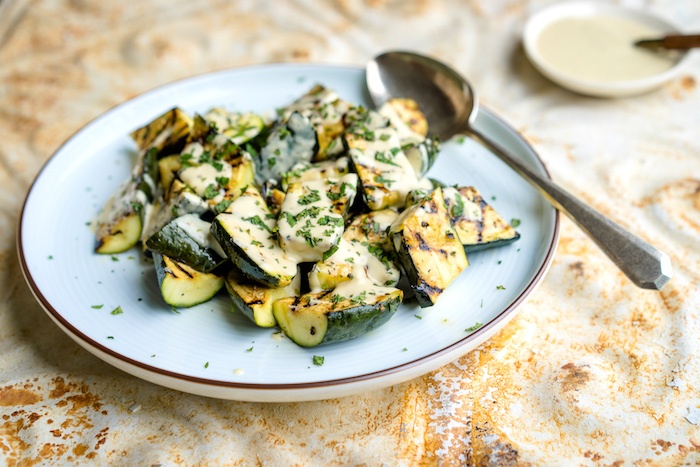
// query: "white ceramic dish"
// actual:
[[555, 12], [209, 351]]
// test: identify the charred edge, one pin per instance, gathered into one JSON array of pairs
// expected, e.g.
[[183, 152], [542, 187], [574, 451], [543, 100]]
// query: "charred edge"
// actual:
[[422, 244], [430, 290], [255, 302], [183, 270]]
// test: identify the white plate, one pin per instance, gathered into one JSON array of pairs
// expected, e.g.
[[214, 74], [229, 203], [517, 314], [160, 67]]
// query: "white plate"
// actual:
[[208, 350], [591, 9]]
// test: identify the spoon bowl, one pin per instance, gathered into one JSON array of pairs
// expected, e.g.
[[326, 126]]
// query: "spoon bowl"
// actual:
[[447, 100], [451, 106]]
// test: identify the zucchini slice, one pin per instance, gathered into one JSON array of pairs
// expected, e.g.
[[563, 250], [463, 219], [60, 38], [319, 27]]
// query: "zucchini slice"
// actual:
[[237, 126], [119, 234], [325, 110], [304, 172], [375, 150], [188, 239], [288, 143], [248, 236], [405, 115], [166, 133], [422, 156], [477, 223], [428, 248], [121, 220], [364, 251], [325, 317], [184, 287], [255, 301], [313, 214]]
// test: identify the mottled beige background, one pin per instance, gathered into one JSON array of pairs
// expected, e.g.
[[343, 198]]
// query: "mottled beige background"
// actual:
[[592, 371]]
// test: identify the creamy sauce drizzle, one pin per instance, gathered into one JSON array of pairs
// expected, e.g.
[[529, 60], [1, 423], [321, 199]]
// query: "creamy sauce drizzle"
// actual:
[[310, 225], [258, 242]]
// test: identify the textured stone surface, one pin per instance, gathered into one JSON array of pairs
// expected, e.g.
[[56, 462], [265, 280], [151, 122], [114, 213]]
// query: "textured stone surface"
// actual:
[[593, 371]]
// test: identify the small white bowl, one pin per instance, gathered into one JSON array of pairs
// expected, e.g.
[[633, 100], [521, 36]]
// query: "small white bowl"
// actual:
[[537, 23]]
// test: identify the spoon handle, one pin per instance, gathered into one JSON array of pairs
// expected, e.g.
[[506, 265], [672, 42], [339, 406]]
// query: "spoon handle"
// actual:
[[646, 266]]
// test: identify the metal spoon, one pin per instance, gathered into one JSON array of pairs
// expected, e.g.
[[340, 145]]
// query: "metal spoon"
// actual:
[[451, 106]]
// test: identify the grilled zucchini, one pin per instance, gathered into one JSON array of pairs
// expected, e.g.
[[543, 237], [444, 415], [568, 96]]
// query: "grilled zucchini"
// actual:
[[428, 248], [248, 236], [325, 317], [385, 173], [167, 133], [477, 224], [288, 142], [182, 286], [238, 127], [255, 301], [120, 223], [364, 252], [187, 239]]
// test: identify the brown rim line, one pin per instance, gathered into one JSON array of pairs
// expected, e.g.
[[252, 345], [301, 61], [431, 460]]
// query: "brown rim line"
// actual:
[[354, 383]]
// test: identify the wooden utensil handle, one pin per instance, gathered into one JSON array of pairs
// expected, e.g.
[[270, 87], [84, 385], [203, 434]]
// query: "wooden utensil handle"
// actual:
[[681, 42]]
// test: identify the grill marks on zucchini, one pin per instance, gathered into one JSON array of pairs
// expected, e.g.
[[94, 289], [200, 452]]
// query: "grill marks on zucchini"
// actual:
[[182, 286], [255, 301], [326, 317], [325, 110], [248, 236], [375, 150], [167, 133], [428, 248], [477, 224]]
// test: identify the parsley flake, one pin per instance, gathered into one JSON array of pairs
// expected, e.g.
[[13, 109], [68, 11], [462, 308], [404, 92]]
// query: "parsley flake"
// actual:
[[514, 222], [96, 307], [476, 326], [117, 311], [318, 360]]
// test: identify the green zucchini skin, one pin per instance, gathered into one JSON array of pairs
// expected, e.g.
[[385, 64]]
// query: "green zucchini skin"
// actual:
[[248, 236], [183, 287], [174, 242], [241, 260], [323, 318]]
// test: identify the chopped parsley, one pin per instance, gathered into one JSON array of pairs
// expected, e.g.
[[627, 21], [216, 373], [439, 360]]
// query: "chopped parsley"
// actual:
[[222, 181], [136, 206], [96, 307], [328, 220], [418, 316], [211, 191], [308, 238], [514, 222], [384, 181], [500, 287], [318, 360], [114, 258], [329, 253], [359, 298], [222, 206], [186, 160], [382, 157], [206, 365], [117, 311], [458, 207], [476, 326], [249, 349], [255, 220], [309, 198]]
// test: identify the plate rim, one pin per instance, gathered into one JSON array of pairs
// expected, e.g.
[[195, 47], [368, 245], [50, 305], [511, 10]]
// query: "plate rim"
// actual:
[[89, 343]]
